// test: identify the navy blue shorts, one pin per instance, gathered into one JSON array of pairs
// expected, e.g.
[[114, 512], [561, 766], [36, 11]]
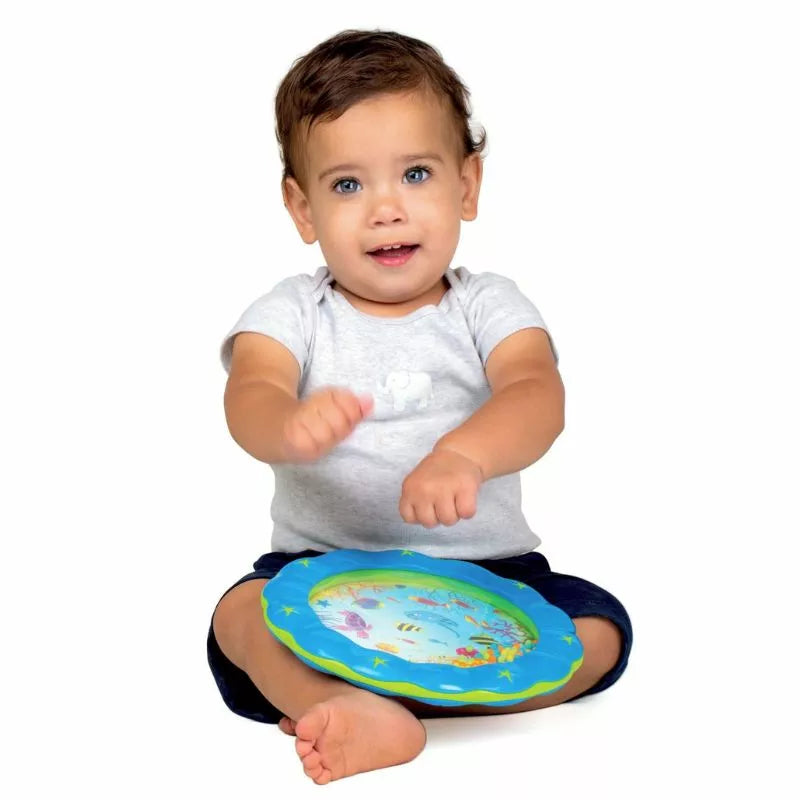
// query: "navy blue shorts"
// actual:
[[576, 596]]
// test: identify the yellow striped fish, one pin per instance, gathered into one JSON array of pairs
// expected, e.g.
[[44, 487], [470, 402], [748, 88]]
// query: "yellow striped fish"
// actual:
[[407, 626], [483, 639]]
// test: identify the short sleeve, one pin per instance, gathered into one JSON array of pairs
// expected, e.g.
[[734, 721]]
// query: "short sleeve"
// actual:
[[495, 308], [286, 313]]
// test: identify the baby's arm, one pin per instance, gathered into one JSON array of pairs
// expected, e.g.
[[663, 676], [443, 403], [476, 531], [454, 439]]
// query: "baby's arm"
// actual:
[[260, 394], [264, 414], [511, 430], [525, 413]]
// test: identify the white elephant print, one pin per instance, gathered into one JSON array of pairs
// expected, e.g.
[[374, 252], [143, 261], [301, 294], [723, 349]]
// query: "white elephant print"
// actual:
[[407, 388]]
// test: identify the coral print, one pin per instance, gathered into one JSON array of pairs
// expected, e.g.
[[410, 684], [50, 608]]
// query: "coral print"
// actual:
[[500, 638]]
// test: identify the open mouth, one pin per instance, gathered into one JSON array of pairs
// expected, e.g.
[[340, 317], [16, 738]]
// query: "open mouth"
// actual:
[[405, 250], [395, 257]]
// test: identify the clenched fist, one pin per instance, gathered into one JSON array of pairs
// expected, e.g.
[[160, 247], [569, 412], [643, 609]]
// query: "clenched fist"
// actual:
[[321, 421], [441, 489]]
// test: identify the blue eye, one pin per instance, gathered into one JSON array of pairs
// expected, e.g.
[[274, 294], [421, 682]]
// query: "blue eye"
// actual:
[[417, 168], [343, 180]]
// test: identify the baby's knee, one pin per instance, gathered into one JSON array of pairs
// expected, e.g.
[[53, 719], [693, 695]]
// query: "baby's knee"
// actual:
[[602, 642], [234, 614]]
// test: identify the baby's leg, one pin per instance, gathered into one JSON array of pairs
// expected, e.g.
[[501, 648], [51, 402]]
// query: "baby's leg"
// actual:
[[341, 729]]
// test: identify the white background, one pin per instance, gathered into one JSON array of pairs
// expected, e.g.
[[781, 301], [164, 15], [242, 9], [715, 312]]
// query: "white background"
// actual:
[[641, 186]]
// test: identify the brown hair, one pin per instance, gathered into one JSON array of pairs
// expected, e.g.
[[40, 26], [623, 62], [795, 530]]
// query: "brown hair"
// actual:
[[352, 66]]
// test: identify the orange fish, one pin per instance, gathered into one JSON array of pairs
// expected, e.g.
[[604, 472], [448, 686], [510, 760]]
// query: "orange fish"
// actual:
[[426, 601]]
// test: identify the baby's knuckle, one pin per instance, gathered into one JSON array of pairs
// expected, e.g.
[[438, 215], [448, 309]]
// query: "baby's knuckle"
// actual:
[[341, 397], [295, 437], [347, 405], [342, 418], [338, 426], [328, 440], [305, 414]]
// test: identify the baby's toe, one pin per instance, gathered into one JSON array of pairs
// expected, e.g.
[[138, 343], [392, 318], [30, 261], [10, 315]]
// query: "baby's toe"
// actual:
[[318, 774], [287, 726], [303, 747], [312, 766], [312, 760]]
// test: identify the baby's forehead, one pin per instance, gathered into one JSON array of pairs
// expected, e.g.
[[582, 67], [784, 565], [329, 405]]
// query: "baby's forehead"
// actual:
[[389, 127]]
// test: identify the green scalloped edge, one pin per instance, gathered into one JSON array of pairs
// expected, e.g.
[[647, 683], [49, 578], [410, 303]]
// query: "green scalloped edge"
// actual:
[[409, 689]]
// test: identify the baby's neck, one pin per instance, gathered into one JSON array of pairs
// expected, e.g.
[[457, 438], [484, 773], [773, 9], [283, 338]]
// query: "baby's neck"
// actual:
[[432, 297]]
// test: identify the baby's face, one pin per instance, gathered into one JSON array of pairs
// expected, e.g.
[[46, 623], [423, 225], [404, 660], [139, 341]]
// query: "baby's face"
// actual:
[[403, 183]]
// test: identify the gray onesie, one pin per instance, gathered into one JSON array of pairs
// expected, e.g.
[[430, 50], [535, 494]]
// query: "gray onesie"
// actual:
[[426, 374]]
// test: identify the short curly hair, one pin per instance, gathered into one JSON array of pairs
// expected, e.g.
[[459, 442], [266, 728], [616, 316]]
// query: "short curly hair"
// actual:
[[352, 66]]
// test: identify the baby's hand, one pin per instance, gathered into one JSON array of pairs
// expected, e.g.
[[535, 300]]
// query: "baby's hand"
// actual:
[[441, 489], [321, 421]]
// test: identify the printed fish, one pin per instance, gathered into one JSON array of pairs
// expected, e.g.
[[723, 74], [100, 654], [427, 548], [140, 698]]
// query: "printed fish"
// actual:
[[462, 603], [389, 648], [437, 641], [407, 626], [426, 601], [436, 619], [368, 602], [408, 641], [483, 639]]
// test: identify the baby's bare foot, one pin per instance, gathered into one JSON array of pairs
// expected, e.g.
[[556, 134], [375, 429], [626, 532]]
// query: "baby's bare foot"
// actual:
[[356, 732]]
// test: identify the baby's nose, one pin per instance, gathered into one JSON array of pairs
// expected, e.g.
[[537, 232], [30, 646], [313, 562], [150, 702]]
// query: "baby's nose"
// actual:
[[387, 209]]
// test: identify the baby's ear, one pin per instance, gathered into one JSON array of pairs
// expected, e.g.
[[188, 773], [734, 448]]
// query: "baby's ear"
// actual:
[[299, 209], [471, 176]]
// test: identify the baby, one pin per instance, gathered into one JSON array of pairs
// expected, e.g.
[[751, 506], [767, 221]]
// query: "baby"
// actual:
[[395, 397]]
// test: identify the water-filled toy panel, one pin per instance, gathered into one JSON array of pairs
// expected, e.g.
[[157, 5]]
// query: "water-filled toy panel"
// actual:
[[423, 618], [443, 631]]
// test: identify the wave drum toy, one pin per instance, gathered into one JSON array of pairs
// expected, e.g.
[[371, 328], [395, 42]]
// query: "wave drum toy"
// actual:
[[441, 631]]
